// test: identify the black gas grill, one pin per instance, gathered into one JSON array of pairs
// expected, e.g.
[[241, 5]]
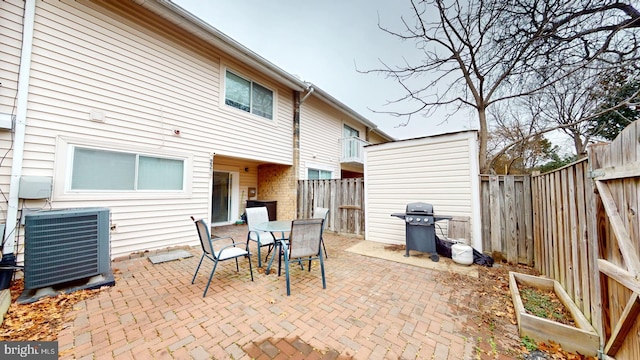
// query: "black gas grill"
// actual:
[[420, 233]]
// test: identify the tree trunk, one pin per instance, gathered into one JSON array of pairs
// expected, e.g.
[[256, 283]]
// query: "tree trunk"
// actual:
[[483, 164], [579, 145]]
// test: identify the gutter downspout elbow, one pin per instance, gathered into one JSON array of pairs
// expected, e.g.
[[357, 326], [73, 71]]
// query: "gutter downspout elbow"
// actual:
[[311, 89]]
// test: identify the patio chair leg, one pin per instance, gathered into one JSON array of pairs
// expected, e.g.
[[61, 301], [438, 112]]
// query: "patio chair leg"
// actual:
[[286, 271], [210, 277], [198, 268], [325, 249], [237, 267], [270, 262], [324, 281], [250, 267], [268, 252], [259, 261]]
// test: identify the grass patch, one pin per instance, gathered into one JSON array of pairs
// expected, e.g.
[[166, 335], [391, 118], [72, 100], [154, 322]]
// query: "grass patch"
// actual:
[[545, 304]]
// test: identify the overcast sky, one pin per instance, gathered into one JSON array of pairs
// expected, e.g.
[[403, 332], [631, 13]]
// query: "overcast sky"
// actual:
[[324, 42]]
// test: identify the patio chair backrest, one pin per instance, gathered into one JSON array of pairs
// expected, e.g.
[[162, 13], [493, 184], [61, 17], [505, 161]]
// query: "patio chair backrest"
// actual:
[[205, 237], [305, 238], [321, 213], [255, 216]]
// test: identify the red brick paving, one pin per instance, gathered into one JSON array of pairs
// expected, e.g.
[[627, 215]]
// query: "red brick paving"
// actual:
[[372, 309]]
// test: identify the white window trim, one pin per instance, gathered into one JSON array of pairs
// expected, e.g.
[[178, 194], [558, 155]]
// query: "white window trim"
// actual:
[[344, 124], [234, 110], [63, 171]]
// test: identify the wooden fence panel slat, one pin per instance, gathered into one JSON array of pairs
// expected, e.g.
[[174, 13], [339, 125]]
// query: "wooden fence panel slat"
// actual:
[[572, 215], [486, 211], [548, 238], [535, 199], [582, 269], [496, 223], [511, 236], [566, 231], [528, 221]]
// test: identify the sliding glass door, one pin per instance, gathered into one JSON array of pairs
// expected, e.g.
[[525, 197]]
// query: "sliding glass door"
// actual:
[[221, 198], [225, 197]]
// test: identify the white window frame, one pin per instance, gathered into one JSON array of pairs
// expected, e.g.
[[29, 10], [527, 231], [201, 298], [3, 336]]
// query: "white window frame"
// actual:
[[64, 167], [320, 171], [223, 98], [318, 167]]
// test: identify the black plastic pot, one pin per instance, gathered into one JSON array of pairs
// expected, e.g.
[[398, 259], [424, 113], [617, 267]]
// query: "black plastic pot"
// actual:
[[7, 268]]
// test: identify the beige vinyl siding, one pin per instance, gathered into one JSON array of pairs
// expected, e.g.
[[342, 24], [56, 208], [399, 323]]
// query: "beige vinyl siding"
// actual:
[[146, 87], [375, 138], [439, 170], [10, 40], [320, 131]]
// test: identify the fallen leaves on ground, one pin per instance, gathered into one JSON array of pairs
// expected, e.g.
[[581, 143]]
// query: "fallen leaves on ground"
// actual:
[[491, 314], [41, 320]]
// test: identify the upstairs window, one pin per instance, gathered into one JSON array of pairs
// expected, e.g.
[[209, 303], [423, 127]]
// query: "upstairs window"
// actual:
[[248, 96]]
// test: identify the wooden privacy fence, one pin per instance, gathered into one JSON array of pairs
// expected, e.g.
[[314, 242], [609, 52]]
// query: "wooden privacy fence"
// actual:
[[562, 217], [343, 197], [587, 237], [507, 230]]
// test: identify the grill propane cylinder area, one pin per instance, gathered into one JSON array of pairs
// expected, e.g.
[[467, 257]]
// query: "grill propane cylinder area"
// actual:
[[420, 233]]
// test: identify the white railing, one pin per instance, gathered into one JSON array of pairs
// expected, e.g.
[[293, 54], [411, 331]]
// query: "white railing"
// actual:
[[352, 150]]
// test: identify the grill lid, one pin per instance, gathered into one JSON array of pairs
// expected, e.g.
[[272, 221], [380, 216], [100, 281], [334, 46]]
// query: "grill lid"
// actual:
[[419, 208]]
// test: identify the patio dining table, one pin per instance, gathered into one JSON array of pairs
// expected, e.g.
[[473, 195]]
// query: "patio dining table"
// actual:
[[276, 227]]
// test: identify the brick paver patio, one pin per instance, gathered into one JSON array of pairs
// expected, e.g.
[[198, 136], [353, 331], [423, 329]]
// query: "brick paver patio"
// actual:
[[372, 309]]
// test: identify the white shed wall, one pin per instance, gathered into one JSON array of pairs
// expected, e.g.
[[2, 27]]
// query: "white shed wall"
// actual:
[[441, 170]]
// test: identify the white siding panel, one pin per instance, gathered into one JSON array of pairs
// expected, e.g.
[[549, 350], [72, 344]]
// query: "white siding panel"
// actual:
[[438, 170], [84, 61], [98, 63], [320, 131], [10, 44]]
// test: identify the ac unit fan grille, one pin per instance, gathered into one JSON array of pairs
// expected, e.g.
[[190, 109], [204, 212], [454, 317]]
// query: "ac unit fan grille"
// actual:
[[61, 249]]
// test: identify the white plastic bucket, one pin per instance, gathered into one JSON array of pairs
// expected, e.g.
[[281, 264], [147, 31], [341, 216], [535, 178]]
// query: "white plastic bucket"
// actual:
[[462, 254]]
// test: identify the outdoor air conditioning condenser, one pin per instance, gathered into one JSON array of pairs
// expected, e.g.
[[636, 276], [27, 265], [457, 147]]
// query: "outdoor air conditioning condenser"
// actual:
[[63, 246]]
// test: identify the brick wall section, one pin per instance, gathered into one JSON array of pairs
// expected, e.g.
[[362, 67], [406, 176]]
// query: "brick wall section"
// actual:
[[278, 182]]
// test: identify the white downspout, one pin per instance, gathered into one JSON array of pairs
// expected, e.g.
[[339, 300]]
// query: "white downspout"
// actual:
[[20, 126]]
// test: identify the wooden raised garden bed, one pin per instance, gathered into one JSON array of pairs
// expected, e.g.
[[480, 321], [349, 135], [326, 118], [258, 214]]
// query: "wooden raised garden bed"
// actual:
[[579, 339]]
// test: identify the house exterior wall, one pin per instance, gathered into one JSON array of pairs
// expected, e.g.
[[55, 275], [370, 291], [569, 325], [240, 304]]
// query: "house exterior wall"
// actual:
[[321, 128], [441, 170], [10, 44], [86, 61], [278, 182], [116, 75], [375, 138]]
